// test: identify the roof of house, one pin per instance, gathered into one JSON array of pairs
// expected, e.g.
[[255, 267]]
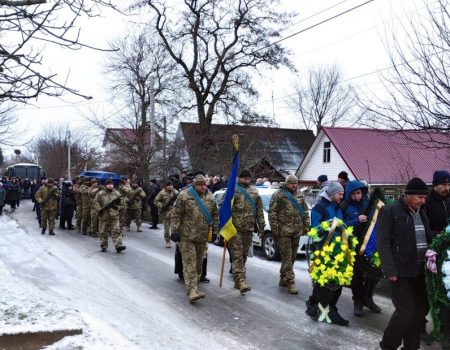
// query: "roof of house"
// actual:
[[391, 157], [115, 135], [283, 148]]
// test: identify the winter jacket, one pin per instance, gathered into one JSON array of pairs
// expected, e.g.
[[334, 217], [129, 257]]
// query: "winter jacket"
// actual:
[[163, 198], [438, 211], [135, 197], [188, 219], [396, 239], [67, 202], [50, 194], [284, 218], [323, 211], [13, 192], [352, 209], [2, 196], [243, 216]]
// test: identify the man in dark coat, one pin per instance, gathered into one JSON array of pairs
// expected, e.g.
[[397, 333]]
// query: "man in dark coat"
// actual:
[[151, 195], [403, 236], [13, 194], [67, 204], [438, 203]]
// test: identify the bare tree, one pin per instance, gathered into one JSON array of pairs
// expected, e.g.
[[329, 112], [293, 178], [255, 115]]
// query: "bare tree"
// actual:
[[418, 85], [26, 26], [216, 45], [51, 148], [320, 98], [137, 69]]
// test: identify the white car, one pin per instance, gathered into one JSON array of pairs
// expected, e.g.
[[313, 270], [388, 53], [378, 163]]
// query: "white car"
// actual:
[[269, 241]]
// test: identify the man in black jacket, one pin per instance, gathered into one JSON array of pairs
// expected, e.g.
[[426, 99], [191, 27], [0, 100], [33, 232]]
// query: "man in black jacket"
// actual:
[[438, 203], [403, 235]]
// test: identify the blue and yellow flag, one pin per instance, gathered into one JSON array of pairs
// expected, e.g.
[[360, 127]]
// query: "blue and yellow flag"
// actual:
[[226, 227]]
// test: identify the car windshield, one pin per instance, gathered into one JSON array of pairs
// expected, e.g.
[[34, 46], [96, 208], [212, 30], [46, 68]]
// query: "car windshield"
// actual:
[[266, 200]]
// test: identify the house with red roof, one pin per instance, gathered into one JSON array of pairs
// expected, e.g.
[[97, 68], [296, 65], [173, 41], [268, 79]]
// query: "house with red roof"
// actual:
[[385, 158]]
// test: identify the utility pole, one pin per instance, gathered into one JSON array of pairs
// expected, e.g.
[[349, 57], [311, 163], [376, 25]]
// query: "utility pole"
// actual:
[[68, 156], [152, 113]]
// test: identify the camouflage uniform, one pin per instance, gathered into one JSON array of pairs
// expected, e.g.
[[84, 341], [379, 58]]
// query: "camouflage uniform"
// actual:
[[79, 202], [123, 188], [49, 208], [92, 191], [189, 222], [86, 203], [162, 198], [244, 222], [109, 220], [135, 197], [288, 225]]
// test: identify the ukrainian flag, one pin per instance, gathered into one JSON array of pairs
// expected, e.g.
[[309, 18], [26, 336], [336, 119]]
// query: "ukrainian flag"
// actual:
[[226, 227]]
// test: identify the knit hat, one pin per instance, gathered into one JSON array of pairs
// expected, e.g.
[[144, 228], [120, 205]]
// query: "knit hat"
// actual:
[[198, 179], [334, 187], [416, 186], [291, 179], [109, 181], [245, 173], [441, 177], [343, 175], [322, 178]]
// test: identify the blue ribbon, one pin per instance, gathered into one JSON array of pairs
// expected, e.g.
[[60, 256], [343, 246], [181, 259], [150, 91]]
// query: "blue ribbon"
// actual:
[[294, 202], [248, 198], [201, 205]]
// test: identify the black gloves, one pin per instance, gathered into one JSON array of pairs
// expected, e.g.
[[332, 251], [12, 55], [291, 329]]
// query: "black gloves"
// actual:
[[175, 237]]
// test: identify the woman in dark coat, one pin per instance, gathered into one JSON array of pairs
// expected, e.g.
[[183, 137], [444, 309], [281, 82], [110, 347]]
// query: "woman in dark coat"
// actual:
[[2, 198], [13, 194], [67, 206]]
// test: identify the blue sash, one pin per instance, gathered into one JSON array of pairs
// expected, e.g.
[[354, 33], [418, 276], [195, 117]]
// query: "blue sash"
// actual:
[[201, 205], [248, 198], [294, 202]]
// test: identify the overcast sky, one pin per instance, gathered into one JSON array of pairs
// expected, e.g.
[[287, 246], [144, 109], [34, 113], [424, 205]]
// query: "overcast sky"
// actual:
[[355, 41]]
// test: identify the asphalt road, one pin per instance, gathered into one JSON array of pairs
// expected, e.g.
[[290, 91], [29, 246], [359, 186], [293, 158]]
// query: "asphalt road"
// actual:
[[139, 295]]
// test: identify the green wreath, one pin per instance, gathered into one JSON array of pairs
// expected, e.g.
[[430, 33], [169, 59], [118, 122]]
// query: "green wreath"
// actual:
[[437, 294]]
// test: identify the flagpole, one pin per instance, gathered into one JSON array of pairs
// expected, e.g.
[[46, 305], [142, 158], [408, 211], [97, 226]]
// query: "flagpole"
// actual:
[[223, 262]]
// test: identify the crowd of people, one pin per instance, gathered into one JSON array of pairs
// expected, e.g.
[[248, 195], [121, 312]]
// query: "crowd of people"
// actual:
[[188, 210]]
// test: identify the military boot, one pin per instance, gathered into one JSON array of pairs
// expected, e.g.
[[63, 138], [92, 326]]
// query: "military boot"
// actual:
[[242, 286], [168, 245], [51, 232], [119, 248], [139, 228], [193, 296], [283, 282], [202, 295], [292, 289], [43, 231]]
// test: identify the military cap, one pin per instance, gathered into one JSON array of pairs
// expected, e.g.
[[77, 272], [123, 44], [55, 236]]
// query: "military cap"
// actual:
[[291, 179], [109, 181], [198, 179], [245, 173]]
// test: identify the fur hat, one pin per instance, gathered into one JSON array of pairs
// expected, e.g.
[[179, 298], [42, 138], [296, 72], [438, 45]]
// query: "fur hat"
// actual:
[[416, 186], [322, 178], [334, 187], [441, 177], [198, 179], [245, 173], [291, 179]]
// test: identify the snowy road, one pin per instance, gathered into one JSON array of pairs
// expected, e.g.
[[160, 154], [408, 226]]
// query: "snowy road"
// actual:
[[134, 298]]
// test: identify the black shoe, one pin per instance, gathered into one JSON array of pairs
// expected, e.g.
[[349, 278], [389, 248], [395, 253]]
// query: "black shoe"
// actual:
[[51, 233], [103, 249], [43, 231], [358, 309], [230, 271], [62, 227], [312, 310], [336, 318], [372, 306], [71, 228], [204, 279], [154, 227], [119, 248]]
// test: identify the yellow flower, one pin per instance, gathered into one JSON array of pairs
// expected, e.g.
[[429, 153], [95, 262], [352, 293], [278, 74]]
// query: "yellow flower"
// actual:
[[325, 225], [337, 239], [344, 247], [317, 261], [340, 222], [326, 259], [313, 232], [317, 253], [322, 253], [355, 241], [350, 230]]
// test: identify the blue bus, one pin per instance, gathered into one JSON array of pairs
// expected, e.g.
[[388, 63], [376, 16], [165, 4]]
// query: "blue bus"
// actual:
[[24, 171], [101, 176]]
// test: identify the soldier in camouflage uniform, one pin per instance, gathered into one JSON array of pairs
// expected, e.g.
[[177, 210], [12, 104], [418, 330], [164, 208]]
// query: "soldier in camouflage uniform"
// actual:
[[191, 226], [93, 190], [288, 223], [135, 197], [79, 203], [48, 196], [246, 215], [107, 203], [164, 202], [123, 188], [86, 203]]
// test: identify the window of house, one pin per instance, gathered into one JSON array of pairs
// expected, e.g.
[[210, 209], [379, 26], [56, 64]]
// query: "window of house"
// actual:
[[326, 151]]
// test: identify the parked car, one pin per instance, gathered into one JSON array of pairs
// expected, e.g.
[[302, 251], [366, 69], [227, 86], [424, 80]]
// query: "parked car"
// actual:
[[269, 242]]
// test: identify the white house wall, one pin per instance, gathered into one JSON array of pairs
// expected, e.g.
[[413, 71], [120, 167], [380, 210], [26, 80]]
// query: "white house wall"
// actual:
[[314, 165]]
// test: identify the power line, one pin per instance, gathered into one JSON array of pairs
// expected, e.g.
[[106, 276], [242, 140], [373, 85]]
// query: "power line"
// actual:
[[316, 14]]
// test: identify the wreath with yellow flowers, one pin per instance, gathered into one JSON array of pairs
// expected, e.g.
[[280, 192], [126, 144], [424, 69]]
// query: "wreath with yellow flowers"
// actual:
[[333, 256]]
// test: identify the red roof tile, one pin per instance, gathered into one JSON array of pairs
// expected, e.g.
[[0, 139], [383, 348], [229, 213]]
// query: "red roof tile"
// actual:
[[391, 157]]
